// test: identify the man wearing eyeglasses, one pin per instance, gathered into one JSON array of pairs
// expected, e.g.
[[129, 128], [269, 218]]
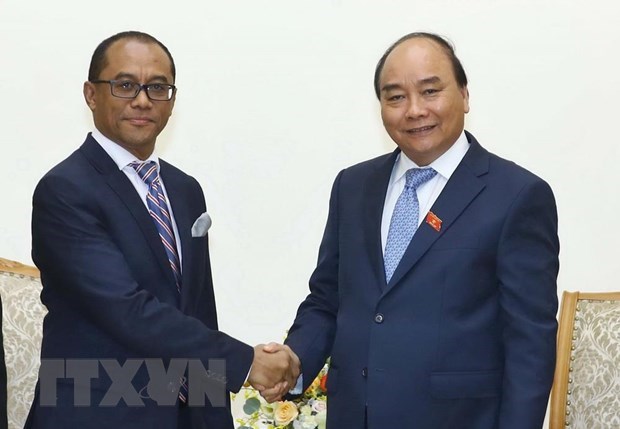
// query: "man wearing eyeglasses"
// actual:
[[124, 260]]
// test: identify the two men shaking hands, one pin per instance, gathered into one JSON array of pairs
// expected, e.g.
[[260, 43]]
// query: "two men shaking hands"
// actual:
[[275, 370], [435, 288]]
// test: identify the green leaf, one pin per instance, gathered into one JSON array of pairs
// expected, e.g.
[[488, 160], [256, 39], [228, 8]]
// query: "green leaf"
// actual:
[[251, 406]]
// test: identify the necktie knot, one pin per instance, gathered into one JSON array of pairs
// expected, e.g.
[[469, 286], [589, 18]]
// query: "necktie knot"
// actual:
[[417, 176], [146, 170]]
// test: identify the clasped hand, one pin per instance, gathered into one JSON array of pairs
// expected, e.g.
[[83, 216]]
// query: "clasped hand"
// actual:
[[275, 370]]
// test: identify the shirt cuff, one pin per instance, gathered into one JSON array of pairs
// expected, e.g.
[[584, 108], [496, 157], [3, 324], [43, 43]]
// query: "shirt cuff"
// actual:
[[297, 390]]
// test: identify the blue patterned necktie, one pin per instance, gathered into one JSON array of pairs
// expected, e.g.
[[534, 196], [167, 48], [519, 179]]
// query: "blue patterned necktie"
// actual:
[[405, 219], [158, 209]]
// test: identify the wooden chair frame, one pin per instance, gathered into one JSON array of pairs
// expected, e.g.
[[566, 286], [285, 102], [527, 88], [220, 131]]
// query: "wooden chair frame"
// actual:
[[17, 268], [557, 418]]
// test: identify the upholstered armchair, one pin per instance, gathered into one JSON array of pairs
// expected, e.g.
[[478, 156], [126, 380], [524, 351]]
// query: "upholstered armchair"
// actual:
[[22, 317], [586, 389]]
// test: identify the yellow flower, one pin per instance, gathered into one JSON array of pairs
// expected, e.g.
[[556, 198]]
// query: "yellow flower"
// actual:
[[285, 412], [316, 383]]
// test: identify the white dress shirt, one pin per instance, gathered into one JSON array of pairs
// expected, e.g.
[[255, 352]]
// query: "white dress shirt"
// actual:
[[427, 192], [122, 157]]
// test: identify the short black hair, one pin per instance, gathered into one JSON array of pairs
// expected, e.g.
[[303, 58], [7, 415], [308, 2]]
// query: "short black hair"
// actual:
[[459, 72], [99, 61]]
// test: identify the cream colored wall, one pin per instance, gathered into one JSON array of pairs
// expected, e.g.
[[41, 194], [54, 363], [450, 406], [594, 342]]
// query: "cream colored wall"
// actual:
[[275, 97]]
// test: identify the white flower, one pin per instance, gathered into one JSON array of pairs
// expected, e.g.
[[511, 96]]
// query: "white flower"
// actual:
[[318, 405], [305, 410], [321, 419], [305, 422]]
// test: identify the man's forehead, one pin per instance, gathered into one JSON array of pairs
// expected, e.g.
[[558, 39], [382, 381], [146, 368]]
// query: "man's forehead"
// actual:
[[420, 59], [417, 50], [128, 55], [419, 44], [134, 48]]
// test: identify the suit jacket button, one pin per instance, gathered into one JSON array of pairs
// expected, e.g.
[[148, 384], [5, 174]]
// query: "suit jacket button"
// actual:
[[379, 318], [364, 372]]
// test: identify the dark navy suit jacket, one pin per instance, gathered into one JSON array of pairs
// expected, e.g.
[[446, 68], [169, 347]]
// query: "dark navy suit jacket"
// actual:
[[463, 336], [111, 294]]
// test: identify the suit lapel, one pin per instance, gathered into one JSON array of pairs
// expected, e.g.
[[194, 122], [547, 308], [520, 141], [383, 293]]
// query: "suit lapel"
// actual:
[[374, 198], [464, 185], [182, 215], [120, 184]]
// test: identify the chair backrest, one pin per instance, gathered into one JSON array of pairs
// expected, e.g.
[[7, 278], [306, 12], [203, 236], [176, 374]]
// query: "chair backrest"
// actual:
[[586, 388], [22, 318]]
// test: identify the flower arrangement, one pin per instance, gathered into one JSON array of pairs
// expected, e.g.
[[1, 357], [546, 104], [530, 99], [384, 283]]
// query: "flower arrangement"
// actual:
[[309, 411]]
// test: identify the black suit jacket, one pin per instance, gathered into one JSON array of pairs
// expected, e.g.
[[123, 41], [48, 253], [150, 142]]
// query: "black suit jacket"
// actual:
[[111, 294]]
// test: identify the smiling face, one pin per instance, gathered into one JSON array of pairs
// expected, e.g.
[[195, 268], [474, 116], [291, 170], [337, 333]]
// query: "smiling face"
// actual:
[[134, 123], [422, 107]]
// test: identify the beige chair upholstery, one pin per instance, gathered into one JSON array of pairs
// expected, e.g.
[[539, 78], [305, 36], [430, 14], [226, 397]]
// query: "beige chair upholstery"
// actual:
[[22, 317], [586, 389]]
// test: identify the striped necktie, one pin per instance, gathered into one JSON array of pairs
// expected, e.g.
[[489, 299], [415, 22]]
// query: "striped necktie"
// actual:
[[158, 209]]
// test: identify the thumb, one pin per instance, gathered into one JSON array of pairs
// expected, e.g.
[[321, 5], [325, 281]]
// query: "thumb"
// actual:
[[272, 347]]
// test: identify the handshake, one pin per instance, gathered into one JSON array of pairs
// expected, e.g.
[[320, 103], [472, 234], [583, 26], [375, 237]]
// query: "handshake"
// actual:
[[275, 370]]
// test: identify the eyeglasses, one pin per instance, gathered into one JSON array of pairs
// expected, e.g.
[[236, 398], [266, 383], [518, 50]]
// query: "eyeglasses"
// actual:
[[129, 89]]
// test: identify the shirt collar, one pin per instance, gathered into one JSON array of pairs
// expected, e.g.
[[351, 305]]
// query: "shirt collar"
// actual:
[[444, 165], [121, 156]]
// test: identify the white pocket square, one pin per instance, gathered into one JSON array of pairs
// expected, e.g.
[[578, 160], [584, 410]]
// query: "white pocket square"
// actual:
[[202, 225]]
